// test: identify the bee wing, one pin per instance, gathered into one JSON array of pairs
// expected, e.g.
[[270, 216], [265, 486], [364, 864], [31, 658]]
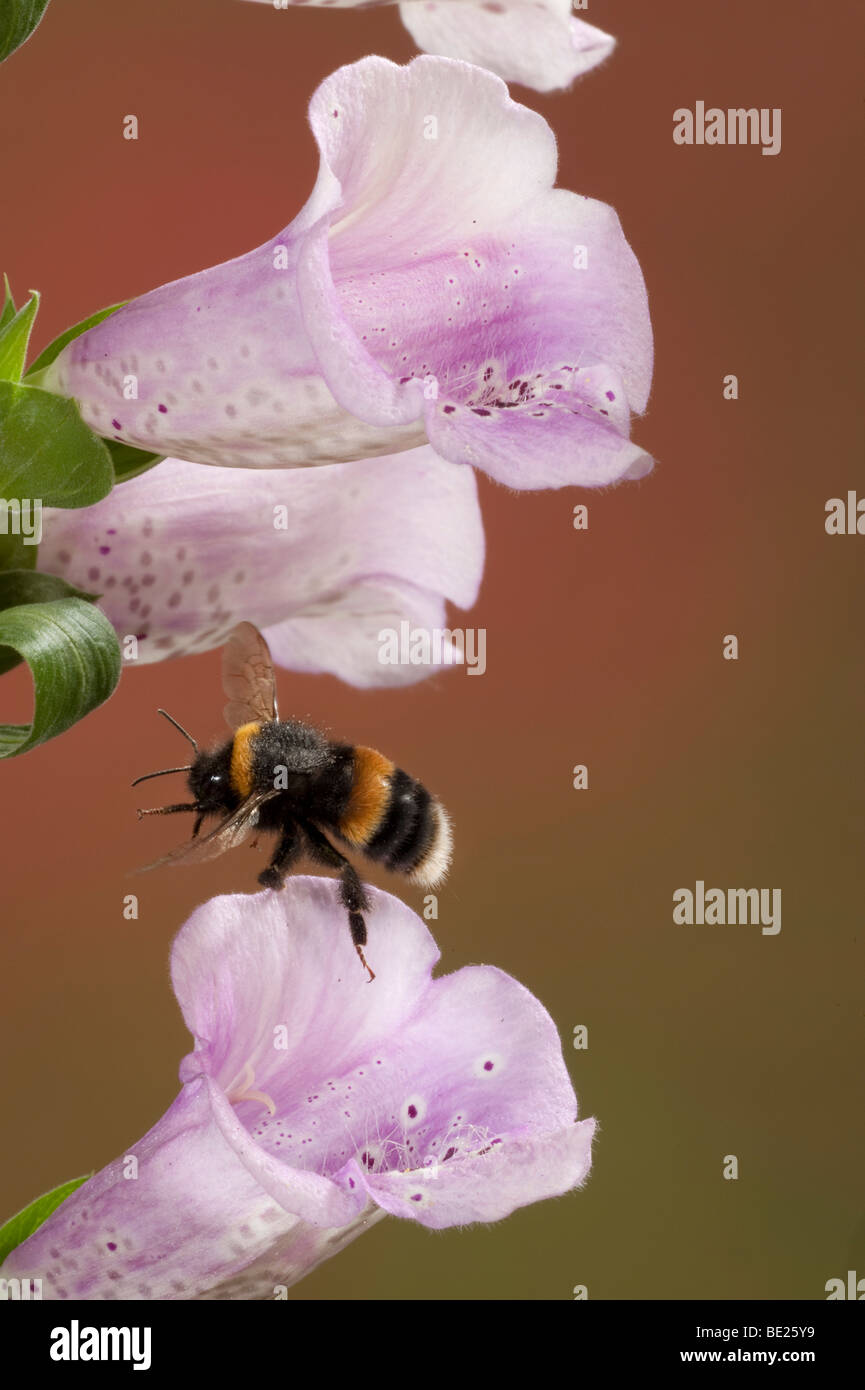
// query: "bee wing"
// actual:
[[231, 831], [247, 678]]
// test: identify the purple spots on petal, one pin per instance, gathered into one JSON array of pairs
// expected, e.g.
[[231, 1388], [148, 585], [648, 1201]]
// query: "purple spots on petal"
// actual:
[[111, 1245], [611, 395], [117, 425], [488, 1066], [163, 409], [351, 1182], [64, 557], [450, 1153], [105, 550], [417, 1197], [449, 409], [174, 600], [412, 1111], [93, 573]]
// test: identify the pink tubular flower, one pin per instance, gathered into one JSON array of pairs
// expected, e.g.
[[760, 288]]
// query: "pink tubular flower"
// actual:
[[435, 286], [313, 1103], [536, 42], [322, 559]]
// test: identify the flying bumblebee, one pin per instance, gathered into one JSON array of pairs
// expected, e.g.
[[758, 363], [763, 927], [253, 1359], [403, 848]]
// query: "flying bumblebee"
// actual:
[[281, 776]]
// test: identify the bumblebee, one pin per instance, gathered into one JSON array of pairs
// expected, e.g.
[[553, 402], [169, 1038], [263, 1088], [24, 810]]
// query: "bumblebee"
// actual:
[[283, 777]]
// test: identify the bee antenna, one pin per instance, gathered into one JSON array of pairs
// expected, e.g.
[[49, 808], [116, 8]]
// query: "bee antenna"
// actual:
[[163, 773], [179, 727]]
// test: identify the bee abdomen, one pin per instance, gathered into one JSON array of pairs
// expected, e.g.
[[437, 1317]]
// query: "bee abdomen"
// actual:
[[395, 821]]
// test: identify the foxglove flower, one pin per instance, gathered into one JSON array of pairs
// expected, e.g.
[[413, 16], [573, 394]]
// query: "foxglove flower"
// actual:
[[536, 42], [314, 1102], [435, 286], [321, 559]]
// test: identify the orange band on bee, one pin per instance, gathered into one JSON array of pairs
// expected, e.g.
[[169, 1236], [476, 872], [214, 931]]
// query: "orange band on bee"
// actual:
[[240, 773], [370, 796]]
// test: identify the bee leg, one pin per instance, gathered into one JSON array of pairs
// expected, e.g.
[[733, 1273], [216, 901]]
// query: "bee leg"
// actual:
[[287, 850], [357, 927], [351, 890], [171, 810]]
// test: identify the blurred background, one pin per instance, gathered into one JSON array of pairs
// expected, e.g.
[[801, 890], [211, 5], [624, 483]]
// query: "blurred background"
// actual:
[[604, 648]]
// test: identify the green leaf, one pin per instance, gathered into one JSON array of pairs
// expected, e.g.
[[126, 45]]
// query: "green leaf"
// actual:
[[25, 1222], [16, 553], [8, 311], [129, 462], [15, 337], [47, 452], [18, 19], [74, 656], [47, 355], [20, 586]]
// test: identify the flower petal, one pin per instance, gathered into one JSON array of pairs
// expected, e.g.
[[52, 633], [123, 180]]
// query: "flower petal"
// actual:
[[406, 206], [218, 368], [245, 966], [179, 1214], [489, 1186], [536, 42], [432, 251], [321, 558], [424, 1081], [523, 283]]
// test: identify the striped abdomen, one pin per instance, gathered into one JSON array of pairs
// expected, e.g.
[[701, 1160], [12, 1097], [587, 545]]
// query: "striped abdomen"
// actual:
[[393, 819]]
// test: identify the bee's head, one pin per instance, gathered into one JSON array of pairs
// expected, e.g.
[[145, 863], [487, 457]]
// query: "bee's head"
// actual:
[[209, 780]]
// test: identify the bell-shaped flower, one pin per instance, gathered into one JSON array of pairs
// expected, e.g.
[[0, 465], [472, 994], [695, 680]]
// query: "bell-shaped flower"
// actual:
[[313, 1102], [436, 286], [539, 43], [322, 559]]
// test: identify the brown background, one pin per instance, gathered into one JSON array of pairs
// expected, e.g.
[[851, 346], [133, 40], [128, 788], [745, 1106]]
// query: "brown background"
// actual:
[[604, 648]]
